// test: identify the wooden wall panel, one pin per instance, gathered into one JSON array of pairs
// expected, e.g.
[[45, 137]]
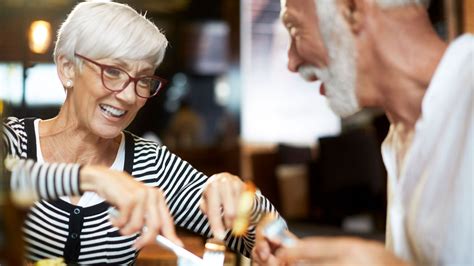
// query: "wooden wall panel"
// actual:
[[468, 16], [11, 40], [452, 18], [13, 32]]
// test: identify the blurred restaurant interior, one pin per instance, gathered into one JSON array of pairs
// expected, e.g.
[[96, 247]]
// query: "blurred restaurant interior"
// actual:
[[231, 105]]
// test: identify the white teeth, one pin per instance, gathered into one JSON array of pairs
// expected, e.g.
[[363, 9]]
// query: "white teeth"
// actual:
[[112, 111]]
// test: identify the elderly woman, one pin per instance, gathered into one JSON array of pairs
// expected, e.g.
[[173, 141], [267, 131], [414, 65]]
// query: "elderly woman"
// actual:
[[106, 55]]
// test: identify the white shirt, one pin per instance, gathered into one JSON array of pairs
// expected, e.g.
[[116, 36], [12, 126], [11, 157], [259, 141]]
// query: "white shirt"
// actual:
[[431, 191]]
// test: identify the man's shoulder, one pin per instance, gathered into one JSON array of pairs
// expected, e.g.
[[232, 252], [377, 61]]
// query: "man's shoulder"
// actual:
[[467, 38], [455, 71], [462, 49]]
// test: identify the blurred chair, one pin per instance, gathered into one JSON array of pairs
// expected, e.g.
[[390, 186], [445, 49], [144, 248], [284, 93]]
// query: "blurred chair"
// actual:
[[293, 178], [212, 160], [263, 166], [348, 177], [282, 176], [289, 154]]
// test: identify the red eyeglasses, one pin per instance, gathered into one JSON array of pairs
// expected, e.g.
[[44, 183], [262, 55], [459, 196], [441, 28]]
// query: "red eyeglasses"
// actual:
[[116, 79]]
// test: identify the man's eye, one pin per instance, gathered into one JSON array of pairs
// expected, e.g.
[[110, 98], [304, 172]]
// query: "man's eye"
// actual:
[[292, 31]]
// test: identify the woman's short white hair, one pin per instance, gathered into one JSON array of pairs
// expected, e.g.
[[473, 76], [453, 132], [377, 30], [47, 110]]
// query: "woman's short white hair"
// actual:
[[110, 30]]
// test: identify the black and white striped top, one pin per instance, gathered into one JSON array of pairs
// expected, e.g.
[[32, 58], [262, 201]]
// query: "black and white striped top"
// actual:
[[55, 228]]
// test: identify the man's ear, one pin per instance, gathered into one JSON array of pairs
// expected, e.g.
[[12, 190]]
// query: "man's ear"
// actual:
[[354, 12], [65, 68]]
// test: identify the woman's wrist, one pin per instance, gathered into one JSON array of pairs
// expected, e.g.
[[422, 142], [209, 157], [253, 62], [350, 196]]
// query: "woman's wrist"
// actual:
[[87, 178]]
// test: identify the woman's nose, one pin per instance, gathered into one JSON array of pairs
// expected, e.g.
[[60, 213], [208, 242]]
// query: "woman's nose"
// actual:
[[128, 94]]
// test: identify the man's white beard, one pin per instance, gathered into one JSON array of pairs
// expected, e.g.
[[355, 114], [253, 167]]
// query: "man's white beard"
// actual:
[[339, 77]]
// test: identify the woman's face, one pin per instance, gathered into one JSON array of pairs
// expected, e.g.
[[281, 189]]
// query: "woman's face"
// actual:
[[106, 113]]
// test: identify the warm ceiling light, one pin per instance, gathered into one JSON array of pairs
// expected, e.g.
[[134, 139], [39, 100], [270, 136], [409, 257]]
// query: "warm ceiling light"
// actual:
[[39, 36]]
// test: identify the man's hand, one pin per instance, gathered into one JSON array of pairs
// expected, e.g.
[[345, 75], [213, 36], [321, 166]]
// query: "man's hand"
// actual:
[[263, 253], [139, 206], [337, 251], [265, 247]]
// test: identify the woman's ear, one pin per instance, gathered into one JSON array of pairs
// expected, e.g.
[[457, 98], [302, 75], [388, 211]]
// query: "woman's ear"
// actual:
[[353, 12], [66, 72]]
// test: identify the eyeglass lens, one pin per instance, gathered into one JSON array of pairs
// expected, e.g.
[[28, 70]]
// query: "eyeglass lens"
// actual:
[[116, 79]]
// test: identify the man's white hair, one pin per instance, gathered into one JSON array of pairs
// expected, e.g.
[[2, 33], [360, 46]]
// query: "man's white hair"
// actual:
[[110, 30], [393, 3]]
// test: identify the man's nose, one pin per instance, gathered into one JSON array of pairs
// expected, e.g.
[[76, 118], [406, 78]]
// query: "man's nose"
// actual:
[[294, 60]]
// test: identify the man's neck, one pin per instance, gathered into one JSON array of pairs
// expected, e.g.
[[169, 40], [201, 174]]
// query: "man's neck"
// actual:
[[409, 51]]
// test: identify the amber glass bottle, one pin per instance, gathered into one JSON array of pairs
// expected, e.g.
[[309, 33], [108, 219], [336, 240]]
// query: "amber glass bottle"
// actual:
[[11, 243]]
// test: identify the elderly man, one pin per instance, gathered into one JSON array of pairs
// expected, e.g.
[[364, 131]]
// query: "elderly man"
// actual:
[[385, 53]]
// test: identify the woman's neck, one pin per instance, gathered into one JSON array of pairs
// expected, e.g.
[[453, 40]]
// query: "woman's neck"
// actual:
[[63, 139]]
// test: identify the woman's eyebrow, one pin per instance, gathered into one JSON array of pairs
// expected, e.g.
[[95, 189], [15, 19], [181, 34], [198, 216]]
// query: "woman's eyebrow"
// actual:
[[121, 63], [126, 66]]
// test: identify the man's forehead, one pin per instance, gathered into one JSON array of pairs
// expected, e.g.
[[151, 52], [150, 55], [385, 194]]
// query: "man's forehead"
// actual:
[[297, 4]]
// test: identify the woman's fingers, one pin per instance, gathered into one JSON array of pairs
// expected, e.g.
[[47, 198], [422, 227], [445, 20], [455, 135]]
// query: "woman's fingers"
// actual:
[[213, 210], [229, 201], [151, 220], [141, 208], [136, 221], [167, 228], [121, 218], [156, 219], [219, 202]]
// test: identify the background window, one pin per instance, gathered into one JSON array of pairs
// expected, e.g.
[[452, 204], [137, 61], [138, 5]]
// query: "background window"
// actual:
[[11, 82], [43, 86]]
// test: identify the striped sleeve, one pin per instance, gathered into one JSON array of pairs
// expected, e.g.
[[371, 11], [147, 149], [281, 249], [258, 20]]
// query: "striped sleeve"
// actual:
[[14, 137], [261, 205], [183, 186], [33, 179], [44, 180]]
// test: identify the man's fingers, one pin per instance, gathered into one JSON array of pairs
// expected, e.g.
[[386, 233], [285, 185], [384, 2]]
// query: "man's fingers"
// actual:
[[261, 252], [299, 251], [316, 249]]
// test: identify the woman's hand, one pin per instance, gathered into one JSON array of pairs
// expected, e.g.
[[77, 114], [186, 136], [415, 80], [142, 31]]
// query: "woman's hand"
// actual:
[[221, 196], [138, 204], [337, 251]]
